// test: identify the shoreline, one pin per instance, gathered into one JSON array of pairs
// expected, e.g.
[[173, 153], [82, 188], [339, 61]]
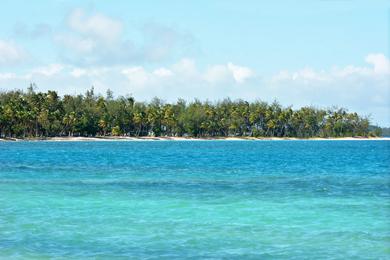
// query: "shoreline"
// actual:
[[166, 138]]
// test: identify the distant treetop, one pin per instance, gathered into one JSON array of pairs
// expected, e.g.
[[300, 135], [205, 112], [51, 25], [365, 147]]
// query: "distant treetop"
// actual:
[[44, 114]]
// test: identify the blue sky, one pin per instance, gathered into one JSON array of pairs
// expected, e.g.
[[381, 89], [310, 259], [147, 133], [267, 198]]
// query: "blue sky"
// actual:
[[319, 53]]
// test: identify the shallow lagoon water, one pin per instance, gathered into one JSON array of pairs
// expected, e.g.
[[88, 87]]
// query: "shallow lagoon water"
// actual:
[[195, 199]]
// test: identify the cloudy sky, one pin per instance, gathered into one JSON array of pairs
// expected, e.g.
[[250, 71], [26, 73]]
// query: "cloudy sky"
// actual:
[[321, 53]]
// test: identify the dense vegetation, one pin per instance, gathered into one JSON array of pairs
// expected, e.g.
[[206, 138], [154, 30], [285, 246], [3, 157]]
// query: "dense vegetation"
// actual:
[[37, 114], [384, 131]]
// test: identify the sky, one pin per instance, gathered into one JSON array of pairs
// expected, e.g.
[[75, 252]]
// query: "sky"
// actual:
[[320, 53]]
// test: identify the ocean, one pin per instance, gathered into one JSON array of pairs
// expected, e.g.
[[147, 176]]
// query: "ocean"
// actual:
[[195, 199]]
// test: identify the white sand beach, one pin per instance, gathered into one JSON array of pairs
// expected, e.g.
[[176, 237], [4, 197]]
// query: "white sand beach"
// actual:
[[167, 138]]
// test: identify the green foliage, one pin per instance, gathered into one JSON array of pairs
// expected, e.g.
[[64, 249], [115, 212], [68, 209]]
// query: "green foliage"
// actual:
[[377, 131], [385, 131], [38, 114], [116, 131]]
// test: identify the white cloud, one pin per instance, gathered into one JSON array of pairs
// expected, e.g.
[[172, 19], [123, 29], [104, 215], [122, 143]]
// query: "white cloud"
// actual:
[[305, 75], [7, 76], [228, 72], [95, 39], [217, 74], [141, 79], [163, 72], [351, 71], [11, 53], [96, 25], [380, 62], [379, 69], [49, 70], [137, 76], [186, 76], [92, 39], [240, 73], [77, 72], [185, 68]]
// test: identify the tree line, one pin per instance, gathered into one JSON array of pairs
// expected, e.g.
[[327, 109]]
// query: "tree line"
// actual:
[[46, 114]]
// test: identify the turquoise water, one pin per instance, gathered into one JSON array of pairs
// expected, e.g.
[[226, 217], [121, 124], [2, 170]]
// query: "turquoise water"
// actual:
[[199, 199]]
